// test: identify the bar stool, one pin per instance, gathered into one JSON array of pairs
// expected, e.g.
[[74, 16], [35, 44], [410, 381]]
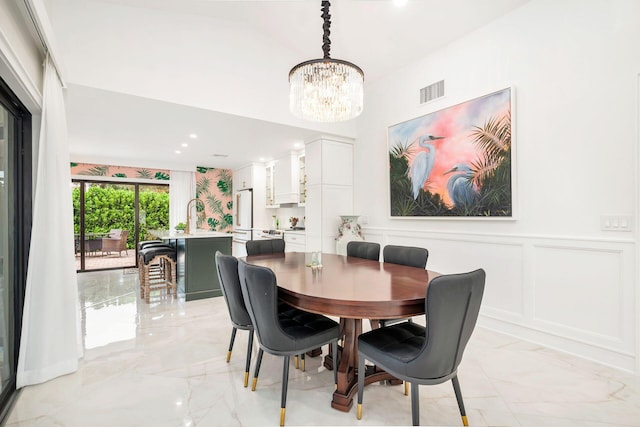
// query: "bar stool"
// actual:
[[148, 243], [154, 269], [157, 266]]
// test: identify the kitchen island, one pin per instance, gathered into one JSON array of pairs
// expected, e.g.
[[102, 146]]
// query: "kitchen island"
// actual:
[[197, 277]]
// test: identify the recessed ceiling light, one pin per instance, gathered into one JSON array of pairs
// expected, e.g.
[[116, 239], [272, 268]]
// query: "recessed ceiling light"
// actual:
[[178, 151], [219, 155], [193, 136], [261, 159], [400, 3], [297, 145]]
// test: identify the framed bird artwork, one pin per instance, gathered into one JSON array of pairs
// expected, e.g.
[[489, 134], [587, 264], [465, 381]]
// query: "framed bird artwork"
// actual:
[[455, 162]]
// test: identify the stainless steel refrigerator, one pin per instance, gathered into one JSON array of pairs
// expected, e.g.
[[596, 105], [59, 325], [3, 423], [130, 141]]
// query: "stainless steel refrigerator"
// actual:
[[242, 221]]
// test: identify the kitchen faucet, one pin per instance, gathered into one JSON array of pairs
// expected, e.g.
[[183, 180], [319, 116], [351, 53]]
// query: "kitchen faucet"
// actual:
[[187, 230]]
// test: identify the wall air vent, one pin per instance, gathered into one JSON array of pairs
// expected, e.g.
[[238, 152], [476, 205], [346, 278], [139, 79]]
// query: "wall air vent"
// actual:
[[431, 92], [219, 155]]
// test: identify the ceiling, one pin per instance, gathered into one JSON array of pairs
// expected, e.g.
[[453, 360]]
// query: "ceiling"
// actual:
[[116, 113]]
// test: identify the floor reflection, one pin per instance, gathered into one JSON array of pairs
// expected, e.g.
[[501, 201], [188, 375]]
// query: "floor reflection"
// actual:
[[164, 364]]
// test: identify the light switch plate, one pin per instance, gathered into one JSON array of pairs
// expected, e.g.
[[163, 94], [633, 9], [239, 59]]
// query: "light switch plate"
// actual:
[[616, 222]]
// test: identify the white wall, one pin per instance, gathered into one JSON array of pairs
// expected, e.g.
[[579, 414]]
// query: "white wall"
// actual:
[[20, 56], [553, 276], [190, 48]]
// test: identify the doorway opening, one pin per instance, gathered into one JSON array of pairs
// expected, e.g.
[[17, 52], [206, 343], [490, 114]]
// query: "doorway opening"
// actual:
[[110, 218]]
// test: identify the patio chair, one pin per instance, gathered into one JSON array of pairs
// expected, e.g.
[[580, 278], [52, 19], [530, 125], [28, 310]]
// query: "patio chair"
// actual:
[[116, 242]]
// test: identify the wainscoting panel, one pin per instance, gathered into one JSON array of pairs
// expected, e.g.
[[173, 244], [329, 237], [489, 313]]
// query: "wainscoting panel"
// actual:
[[583, 292], [574, 295], [502, 260]]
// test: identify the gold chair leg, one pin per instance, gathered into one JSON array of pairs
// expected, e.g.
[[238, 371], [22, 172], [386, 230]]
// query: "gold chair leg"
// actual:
[[228, 356], [406, 388], [303, 364], [359, 411], [282, 413], [253, 385], [246, 379], [464, 420], [295, 361]]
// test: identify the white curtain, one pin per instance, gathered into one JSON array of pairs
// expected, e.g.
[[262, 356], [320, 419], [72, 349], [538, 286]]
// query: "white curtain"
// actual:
[[51, 343], [182, 188]]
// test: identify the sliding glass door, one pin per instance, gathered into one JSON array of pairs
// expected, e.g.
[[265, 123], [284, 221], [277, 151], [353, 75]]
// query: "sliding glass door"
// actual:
[[110, 218], [15, 226]]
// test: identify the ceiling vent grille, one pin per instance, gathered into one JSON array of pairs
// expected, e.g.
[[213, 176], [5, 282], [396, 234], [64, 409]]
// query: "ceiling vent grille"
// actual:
[[431, 92]]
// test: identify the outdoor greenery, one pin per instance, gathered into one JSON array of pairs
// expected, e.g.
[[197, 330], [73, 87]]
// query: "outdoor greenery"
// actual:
[[111, 206], [490, 173]]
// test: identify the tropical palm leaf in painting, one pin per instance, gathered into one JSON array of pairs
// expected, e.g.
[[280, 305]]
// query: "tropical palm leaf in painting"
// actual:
[[494, 139], [490, 175]]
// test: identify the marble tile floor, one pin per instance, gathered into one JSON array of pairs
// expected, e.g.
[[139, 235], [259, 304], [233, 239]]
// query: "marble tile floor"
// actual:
[[163, 364]]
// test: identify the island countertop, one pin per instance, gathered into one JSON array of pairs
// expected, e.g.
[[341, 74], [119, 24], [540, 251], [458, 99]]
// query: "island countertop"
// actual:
[[197, 275], [172, 234]]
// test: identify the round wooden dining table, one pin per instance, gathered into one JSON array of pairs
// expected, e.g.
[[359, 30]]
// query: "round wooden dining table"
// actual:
[[352, 289]]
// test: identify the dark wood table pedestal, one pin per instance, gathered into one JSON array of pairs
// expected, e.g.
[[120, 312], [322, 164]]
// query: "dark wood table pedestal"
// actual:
[[348, 368]]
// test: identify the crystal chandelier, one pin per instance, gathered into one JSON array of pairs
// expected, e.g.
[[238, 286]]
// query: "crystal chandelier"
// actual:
[[326, 90]]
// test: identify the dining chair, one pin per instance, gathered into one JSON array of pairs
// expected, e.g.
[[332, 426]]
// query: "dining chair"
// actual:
[[272, 246], [427, 355], [404, 255], [278, 336], [267, 246], [366, 250], [227, 268]]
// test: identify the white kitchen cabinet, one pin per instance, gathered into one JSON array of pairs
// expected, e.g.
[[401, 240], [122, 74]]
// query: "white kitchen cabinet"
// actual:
[[302, 180], [294, 241], [329, 190], [243, 178], [286, 179], [270, 200]]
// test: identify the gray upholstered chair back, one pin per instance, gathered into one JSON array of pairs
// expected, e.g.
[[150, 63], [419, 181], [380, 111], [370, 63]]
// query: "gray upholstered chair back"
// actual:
[[268, 246], [452, 306], [227, 268], [406, 255], [366, 250], [260, 292]]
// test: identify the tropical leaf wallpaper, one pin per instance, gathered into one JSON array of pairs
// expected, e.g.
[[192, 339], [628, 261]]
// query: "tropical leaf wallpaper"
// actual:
[[214, 189], [118, 171]]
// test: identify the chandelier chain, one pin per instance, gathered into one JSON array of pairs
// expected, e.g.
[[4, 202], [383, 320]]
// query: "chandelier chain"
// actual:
[[326, 26]]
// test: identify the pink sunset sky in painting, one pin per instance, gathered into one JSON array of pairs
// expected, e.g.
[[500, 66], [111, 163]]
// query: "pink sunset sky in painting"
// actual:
[[455, 124]]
